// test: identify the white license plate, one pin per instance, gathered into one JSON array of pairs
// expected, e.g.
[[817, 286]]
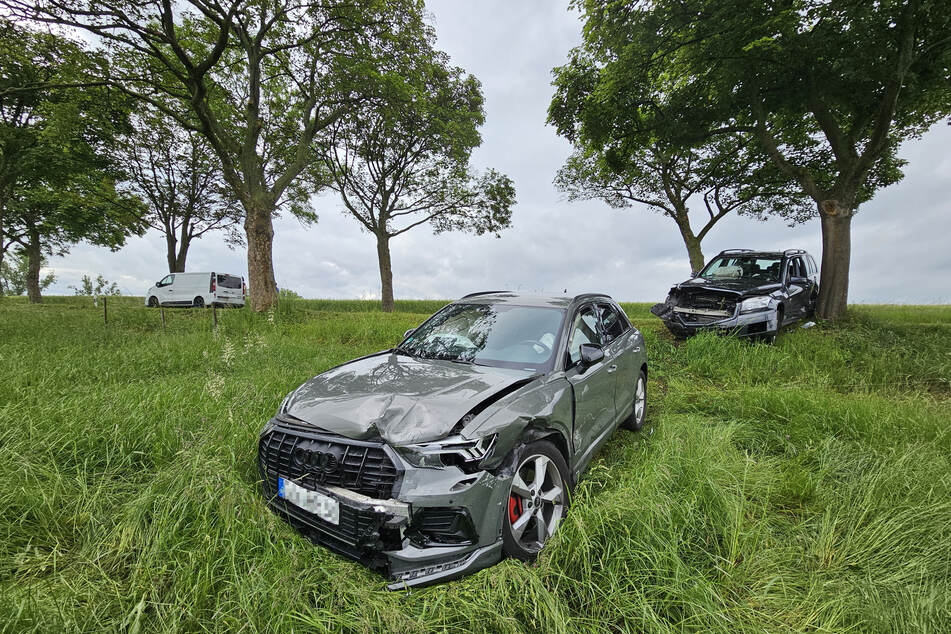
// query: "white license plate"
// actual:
[[323, 506]]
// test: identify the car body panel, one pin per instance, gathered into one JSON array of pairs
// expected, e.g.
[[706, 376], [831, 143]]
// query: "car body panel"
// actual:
[[401, 399]]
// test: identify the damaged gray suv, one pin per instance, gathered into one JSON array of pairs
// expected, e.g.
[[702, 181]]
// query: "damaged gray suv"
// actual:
[[461, 445]]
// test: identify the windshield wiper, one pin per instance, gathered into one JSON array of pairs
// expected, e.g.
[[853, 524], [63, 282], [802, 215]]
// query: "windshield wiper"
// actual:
[[404, 351]]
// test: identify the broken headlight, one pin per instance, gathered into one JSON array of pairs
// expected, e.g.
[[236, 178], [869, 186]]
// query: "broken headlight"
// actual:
[[451, 451], [754, 304]]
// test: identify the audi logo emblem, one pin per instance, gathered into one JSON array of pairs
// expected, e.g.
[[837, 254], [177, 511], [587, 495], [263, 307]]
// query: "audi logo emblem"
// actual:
[[321, 459]]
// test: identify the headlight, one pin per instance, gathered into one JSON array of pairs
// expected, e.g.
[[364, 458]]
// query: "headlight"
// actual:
[[754, 304], [454, 450]]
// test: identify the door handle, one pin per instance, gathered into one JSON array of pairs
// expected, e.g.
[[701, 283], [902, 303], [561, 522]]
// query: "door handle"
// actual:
[[611, 368]]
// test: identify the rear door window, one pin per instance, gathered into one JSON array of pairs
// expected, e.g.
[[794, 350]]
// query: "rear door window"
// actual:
[[229, 281], [612, 322]]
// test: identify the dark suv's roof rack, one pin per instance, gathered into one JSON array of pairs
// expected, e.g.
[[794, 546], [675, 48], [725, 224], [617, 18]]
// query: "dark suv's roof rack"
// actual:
[[737, 251], [794, 251], [483, 293]]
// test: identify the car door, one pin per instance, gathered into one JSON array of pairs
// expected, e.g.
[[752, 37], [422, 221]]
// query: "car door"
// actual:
[[593, 386], [797, 287], [164, 289], [618, 343]]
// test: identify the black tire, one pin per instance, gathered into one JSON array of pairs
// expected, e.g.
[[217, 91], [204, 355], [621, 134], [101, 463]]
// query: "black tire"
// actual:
[[153, 302], [635, 421], [198, 302], [528, 508]]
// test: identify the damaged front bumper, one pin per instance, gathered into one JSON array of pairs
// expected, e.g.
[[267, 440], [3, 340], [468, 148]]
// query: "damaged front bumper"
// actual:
[[685, 321], [437, 524]]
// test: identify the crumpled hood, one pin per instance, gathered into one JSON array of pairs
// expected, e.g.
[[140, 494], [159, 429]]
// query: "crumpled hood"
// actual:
[[742, 286], [404, 400]]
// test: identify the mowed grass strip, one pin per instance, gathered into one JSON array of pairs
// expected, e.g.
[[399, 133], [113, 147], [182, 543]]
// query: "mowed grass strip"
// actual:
[[802, 486]]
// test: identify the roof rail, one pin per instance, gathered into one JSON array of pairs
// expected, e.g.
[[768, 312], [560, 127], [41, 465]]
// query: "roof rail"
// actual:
[[483, 293], [737, 251], [793, 251], [591, 295]]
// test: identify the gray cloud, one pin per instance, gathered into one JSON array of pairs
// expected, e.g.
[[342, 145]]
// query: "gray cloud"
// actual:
[[900, 251]]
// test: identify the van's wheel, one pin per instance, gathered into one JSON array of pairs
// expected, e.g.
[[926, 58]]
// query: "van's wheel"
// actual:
[[153, 302], [636, 420], [537, 499], [199, 302]]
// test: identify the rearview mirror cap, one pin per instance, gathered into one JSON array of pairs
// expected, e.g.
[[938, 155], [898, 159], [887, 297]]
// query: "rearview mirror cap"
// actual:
[[408, 333], [590, 354]]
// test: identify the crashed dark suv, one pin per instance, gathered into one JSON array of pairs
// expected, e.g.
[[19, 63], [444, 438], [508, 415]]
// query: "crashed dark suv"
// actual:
[[460, 445], [744, 292]]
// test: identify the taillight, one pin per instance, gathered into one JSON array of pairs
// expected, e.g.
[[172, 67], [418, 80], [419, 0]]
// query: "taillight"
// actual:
[[244, 288], [212, 289]]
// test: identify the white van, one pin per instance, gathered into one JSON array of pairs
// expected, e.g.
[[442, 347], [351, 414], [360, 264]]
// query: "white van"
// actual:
[[198, 290]]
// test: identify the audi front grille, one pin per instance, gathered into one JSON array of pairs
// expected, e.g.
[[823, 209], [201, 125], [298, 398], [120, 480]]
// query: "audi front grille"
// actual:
[[313, 459]]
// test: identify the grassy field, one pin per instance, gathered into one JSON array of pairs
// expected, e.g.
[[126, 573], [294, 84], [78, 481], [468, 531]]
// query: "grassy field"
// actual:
[[802, 486]]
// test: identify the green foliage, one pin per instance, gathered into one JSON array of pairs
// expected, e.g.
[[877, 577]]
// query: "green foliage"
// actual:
[[14, 272], [57, 176], [101, 286], [404, 162], [802, 486], [286, 293]]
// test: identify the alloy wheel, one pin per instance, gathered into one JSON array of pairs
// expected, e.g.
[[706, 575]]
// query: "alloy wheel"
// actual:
[[536, 502], [640, 401]]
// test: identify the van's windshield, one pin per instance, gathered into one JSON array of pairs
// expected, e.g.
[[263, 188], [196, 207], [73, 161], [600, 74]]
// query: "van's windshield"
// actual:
[[229, 281]]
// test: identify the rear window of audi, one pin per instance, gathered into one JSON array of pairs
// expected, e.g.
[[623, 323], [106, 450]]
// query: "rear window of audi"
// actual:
[[229, 281]]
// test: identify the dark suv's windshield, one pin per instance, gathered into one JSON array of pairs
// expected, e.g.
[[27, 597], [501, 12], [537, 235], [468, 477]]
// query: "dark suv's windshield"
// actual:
[[755, 267], [489, 334]]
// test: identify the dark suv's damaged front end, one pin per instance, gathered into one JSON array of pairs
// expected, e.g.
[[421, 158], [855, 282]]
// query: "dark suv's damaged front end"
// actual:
[[698, 305]]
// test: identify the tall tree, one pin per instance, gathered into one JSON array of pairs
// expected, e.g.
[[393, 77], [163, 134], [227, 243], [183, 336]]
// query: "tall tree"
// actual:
[[828, 89], [174, 171], [57, 178], [723, 176], [405, 163], [258, 78]]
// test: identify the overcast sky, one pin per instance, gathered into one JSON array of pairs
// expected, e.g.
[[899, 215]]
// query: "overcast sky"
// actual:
[[900, 238]]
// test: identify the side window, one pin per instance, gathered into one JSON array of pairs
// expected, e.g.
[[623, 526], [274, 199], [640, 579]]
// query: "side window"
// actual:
[[811, 264], [166, 280], [584, 329], [612, 322]]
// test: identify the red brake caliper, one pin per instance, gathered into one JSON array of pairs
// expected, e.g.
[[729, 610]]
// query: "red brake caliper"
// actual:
[[515, 507]]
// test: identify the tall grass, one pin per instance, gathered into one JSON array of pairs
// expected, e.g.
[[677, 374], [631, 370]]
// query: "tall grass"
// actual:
[[803, 486]]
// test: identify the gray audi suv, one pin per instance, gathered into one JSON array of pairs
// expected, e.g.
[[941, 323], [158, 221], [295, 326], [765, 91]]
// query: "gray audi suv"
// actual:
[[461, 445]]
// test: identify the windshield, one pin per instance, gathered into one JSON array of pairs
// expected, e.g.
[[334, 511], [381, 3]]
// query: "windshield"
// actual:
[[489, 334], [743, 266]]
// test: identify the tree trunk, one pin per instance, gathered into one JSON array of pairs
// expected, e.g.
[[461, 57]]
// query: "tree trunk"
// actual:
[[182, 254], [386, 271], [34, 262], [170, 246], [259, 231], [836, 222], [691, 241], [694, 253]]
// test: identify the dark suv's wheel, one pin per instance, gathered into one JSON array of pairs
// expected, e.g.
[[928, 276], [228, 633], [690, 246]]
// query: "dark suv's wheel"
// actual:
[[198, 302], [537, 500], [636, 420], [153, 302]]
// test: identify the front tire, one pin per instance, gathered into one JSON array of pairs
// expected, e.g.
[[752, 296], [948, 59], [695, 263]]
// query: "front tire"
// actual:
[[198, 302], [636, 420], [537, 500], [153, 302]]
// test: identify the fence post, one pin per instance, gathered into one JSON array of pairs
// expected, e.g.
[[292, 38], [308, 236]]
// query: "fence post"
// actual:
[[162, 310], [214, 315], [105, 311]]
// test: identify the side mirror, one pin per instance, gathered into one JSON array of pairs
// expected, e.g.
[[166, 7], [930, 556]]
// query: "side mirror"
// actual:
[[799, 281], [694, 273], [590, 354], [408, 333]]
